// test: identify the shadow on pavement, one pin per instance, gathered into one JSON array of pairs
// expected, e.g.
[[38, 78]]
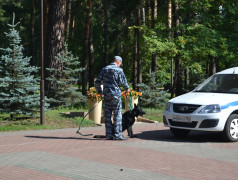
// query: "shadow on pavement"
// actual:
[[194, 136], [155, 135], [74, 138]]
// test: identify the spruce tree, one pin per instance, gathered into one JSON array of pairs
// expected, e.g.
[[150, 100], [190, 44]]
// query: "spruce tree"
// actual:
[[19, 92], [153, 94], [64, 91]]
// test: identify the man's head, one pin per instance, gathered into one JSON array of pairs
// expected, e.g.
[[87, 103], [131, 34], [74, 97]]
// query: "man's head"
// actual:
[[118, 61]]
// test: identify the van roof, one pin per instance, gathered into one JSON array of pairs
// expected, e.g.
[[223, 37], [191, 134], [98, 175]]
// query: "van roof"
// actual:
[[233, 70]]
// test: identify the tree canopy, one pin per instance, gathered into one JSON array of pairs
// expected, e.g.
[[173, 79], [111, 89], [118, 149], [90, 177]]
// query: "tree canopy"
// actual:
[[191, 42]]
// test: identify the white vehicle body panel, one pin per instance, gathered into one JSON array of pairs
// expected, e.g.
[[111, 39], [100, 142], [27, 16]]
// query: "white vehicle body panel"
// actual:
[[228, 103]]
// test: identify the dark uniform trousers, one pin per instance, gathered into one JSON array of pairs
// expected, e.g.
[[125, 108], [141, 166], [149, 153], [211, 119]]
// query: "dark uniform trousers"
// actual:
[[113, 105]]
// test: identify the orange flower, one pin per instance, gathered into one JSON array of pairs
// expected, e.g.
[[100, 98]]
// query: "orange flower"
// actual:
[[132, 92], [92, 95]]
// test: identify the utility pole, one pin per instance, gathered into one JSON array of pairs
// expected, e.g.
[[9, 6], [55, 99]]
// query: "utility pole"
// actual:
[[42, 83]]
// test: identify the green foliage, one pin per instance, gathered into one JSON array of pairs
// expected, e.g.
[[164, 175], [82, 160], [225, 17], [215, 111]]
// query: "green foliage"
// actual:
[[64, 91], [153, 94], [157, 42], [207, 33], [18, 85], [154, 41]]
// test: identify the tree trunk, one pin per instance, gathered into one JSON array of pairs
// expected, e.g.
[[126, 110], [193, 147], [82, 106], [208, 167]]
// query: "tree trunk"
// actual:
[[178, 77], [169, 37], [32, 44], [178, 63], [139, 60], [170, 18], [55, 36], [91, 49], [85, 49], [186, 79], [153, 4], [68, 19], [143, 15], [135, 60], [153, 24], [147, 11], [156, 11], [154, 66], [73, 25], [105, 34], [45, 15], [213, 68]]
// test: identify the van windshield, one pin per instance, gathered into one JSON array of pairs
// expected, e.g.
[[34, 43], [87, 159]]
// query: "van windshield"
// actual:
[[220, 83]]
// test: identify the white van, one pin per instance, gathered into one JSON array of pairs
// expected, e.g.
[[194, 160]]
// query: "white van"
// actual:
[[212, 106]]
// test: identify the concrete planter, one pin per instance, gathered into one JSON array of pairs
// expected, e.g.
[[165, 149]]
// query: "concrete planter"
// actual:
[[95, 114]]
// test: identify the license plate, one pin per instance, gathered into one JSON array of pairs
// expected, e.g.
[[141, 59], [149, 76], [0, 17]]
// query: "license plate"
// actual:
[[185, 119]]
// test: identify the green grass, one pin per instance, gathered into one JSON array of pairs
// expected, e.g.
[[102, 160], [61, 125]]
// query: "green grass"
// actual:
[[54, 119], [154, 114]]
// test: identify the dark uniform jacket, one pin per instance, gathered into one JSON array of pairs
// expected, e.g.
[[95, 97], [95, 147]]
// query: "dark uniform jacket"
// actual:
[[111, 77]]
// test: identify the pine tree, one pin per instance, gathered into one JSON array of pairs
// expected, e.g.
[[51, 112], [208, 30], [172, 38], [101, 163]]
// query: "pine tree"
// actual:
[[64, 93], [19, 93], [153, 94]]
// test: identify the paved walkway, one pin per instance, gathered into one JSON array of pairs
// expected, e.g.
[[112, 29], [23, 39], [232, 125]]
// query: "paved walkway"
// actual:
[[155, 154]]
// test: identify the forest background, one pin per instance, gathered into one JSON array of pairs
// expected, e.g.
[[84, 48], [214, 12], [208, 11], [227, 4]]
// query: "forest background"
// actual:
[[182, 42]]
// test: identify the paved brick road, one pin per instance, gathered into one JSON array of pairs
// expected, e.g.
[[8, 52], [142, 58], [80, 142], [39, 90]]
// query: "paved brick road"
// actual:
[[155, 154]]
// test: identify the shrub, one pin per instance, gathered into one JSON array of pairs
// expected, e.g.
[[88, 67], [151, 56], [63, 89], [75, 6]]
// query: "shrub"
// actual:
[[64, 91], [153, 94]]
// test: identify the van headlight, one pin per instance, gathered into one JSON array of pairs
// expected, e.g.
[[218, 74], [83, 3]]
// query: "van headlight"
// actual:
[[214, 108], [167, 107]]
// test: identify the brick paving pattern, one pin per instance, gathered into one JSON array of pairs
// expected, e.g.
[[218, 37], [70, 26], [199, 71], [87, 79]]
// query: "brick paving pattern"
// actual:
[[154, 154]]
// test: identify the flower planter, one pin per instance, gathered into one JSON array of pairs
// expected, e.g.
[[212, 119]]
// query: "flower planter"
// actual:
[[96, 113], [135, 96]]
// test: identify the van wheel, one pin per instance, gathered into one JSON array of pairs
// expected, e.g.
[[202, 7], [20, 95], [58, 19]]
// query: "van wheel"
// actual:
[[230, 132], [179, 132]]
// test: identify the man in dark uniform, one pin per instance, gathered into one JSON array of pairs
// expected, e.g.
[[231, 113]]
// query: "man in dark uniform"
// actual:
[[112, 77]]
